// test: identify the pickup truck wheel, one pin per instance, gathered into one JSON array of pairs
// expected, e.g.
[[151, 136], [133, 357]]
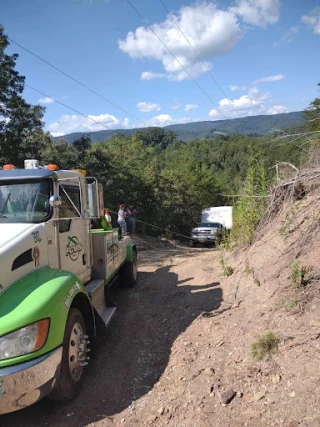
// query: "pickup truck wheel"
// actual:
[[72, 370], [192, 244], [129, 272]]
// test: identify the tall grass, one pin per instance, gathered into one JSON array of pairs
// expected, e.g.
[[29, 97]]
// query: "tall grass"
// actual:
[[251, 206]]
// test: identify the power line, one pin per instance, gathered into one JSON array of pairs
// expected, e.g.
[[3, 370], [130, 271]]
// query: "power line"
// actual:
[[198, 56], [77, 81], [172, 54], [159, 228], [71, 108]]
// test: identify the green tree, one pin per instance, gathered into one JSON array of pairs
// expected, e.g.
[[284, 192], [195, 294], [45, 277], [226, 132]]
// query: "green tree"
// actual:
[[19, 120], [251, 206], [81, 146], [60, 153], [312, 114]]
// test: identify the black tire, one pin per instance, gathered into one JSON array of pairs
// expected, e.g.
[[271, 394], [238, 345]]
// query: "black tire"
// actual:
[[192, 244], [68, 386], [129, 272]]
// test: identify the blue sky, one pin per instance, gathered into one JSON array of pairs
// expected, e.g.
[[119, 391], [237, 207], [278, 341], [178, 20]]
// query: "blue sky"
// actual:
[[262, 54]]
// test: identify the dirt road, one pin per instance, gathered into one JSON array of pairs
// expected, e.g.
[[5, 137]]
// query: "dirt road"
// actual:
[[176, 286]]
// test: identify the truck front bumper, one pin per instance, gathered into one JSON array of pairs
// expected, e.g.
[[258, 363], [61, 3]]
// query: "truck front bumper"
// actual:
[[203, 239], [24, 384]]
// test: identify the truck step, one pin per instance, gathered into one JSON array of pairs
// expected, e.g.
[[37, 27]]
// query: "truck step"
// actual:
[[94, 285], [100, 301], [108, 315]]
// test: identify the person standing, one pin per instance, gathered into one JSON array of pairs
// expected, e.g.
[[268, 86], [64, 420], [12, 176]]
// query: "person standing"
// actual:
[[122, 220], [131, 215], [108, 217], [106, 220]]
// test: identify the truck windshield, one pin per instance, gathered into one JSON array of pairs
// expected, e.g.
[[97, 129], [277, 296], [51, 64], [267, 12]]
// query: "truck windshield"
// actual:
[[210, 224], [24, 201]]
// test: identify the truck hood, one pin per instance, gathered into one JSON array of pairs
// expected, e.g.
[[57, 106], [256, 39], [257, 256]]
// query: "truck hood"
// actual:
[[23, 248]]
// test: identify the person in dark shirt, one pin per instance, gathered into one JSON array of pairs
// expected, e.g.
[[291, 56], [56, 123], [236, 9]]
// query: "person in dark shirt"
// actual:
[[131, 215]]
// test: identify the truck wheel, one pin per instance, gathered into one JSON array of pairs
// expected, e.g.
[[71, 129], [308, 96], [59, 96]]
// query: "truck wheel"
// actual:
[[72, 370], [129, 272], [192, 244]]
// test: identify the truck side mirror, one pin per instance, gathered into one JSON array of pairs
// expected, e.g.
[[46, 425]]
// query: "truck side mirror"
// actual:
[[55, 201]]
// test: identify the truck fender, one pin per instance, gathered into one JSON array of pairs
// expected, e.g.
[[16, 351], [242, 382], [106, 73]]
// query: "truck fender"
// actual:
[[44, 293], [131, 247]]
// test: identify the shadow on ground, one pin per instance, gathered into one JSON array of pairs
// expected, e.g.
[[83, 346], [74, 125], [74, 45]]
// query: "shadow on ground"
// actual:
[[134, 353]]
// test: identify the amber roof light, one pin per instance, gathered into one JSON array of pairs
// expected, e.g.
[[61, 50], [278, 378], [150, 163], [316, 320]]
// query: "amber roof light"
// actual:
[[52, 167], [8, 167]]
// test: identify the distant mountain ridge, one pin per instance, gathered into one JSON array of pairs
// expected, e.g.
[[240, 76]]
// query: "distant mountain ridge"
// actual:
[[259, 125]]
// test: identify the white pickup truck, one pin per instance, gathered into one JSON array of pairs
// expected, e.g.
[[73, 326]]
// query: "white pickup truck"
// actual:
[[213, 221]]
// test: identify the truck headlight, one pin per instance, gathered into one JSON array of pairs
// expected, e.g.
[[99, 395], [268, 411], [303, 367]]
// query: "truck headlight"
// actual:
[[25, 340]]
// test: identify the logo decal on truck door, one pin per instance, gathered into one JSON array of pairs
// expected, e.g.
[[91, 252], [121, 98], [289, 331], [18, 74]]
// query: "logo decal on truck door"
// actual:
[[36, 237], [73, 248]]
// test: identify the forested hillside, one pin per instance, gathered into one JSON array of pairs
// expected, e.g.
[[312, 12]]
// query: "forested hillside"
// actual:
[[259, 125], [168, 180]]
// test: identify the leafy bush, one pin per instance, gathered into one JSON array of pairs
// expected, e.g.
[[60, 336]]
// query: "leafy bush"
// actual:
[[266, 345], [226, 269], [251, 206]]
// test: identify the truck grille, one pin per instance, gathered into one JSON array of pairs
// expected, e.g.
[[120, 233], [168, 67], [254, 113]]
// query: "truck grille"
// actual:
[[202, 232]]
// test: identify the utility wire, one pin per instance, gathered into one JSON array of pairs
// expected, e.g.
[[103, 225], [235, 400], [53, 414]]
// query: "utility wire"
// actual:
[[77, 81], [159, 228], [172, 54], [198, 56], [73, 109]]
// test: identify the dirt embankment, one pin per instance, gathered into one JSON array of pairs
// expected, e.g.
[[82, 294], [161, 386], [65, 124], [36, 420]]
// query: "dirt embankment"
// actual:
[[179, 352]]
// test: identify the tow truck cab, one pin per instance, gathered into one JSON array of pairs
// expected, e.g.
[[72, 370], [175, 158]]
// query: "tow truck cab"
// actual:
[[55, 272]]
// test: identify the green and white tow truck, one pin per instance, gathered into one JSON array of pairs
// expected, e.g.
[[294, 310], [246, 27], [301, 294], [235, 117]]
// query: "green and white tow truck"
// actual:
[[54, 275]]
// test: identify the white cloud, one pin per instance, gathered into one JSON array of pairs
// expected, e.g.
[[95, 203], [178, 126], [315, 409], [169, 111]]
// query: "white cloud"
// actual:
[[46, 100], [74, 123], [4, 119], [166, 119], [146, 107], [56, 134], [277, 109], [288, 37], [258, 12], [247, 105], [210, 30], [54, 126], [275, 78], [190, 107], [313, 20], [255, 102], [149, 75], [235, 88], [175, 105], [161, 120], [256, 94]]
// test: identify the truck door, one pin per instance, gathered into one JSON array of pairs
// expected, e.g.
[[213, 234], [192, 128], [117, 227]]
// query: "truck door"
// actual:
[[74, 232]]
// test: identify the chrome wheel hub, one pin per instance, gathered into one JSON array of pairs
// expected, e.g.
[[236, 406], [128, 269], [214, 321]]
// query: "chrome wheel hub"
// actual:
[[77, 351]]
